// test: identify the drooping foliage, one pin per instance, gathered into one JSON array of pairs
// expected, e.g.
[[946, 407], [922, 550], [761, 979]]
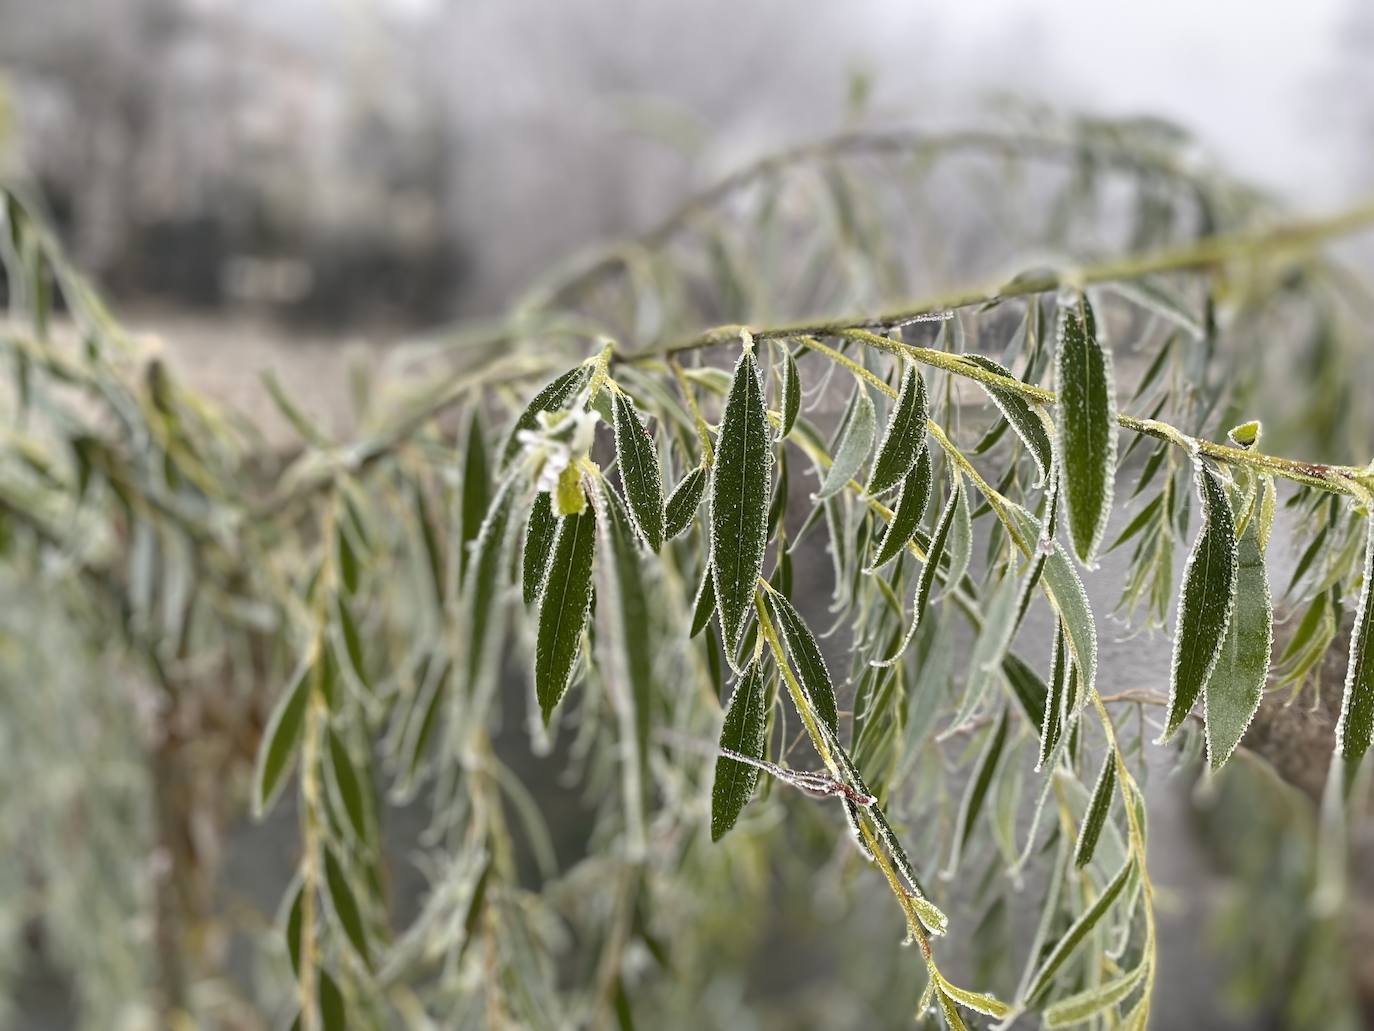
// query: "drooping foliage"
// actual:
[[601, 528]]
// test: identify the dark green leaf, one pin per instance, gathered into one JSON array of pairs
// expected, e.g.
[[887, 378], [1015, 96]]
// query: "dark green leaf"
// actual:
[[905, 436], [539, 537], [554, 396], [1233, 692], [476, 493], [742, 732], [806, 657], [976, 792], [482, 586], [280, 740], [683, 502], [350, 787], [563, 608], [1087, 427], [1354, 730], [1029, 689], [740, 484], [791, 392], [1024, 419], [346, 906], [1096, 817], [637, 457], [705, 603], [1206, 600], [907, 516], [933, 555]]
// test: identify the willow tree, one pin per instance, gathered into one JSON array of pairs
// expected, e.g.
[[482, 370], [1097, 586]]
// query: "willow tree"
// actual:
[[593, 530]]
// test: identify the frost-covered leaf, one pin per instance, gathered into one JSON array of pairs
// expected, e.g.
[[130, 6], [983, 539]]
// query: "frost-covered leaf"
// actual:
[[349, 784], [807, 660], [637, 457], [1052, 718], [563, 608], [1233, 692], [1356, 725], [480, 612], [683, 502], [1024, 419], [979, 1002], [742, 732], [1099, 806], [1089, 1003], [740, 483], [854, 446], [555, 395], [904, 437], [985, 659], [976, 792], [933, 555], [1029, 689], [960, 546], [1086, 427], [539, 534], [953, 1018], [1206, 600], [280, 740], [907, 516], [1075, 935], [705, 603], [476, 490], [791, 392]]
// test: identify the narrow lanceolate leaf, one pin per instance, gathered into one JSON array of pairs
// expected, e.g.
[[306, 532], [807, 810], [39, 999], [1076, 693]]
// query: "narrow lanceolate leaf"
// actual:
[[280, 740], [953, 1019], [704, 605], [345, 905], [739, 501], [1356, 725], [854, 447], [1233, 692], [482, 586], [960, 545], [476, 493], [637, 457], [555, 395], [1087, 1004], [933, 555], [1024, 419], [683, 502], [1074, 936], [350, 787], [1052, 722], [977, 791], [1206, 600], [1099, 806], [791, 392], [743, 732], [806, 657], [905, 435], [979, 1002], [563, 608], [539, 536], [907, 516], [1086, 427]]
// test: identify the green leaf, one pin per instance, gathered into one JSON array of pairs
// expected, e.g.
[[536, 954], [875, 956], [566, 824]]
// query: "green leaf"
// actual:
[[1074, 936], [1234, 690], [1096, 817], [563, 608], [293, 930], [1084, 1005], [481, 610], [791, 392], [333, 1011], [554, 396], [1087, 427], [637, 456], [352, 641], [960, 547], [854, 446], [980, 1002], [350, 787], [1029, 689], [539, 534], [346, 906], [280, 740], [927, 578], [905, 436], [1024, 419], [806, 657], [976, 793], [705, 603], [742, 732], [1052, 722], [1205, 602], [476, 493], [950, 1011], [1356, 724], [1064, 588], [683, 502], [740, 483], [907, 516]]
